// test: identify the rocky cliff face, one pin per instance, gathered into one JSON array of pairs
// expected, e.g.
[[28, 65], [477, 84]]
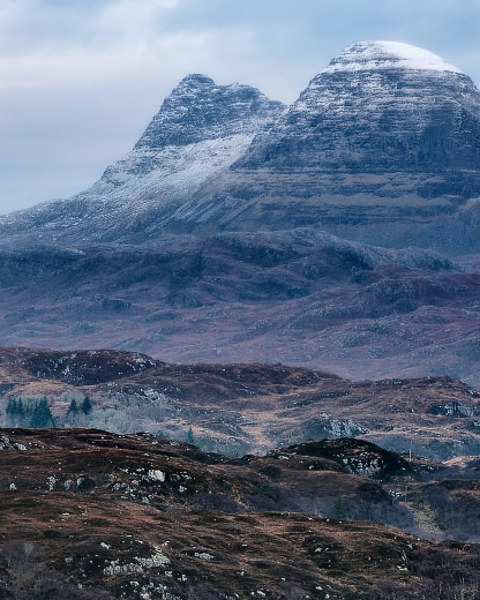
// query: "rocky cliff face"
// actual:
[[383, 146], [199, 110], [200, 128]]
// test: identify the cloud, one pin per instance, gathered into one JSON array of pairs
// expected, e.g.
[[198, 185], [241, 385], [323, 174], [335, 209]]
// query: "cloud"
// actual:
[[27, 25]]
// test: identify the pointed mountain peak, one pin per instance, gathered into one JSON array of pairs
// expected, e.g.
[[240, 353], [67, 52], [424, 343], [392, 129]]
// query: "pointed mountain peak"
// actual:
[[195, 80], [198, 78], [373, 55], [198, 109]]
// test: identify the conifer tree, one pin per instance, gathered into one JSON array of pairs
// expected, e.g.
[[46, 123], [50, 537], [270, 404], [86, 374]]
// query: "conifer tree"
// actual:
[[20, 410], [190, 436], [41, 416], [338, 510], [86, 406], [15, 412], [11, 406], [73, 408]]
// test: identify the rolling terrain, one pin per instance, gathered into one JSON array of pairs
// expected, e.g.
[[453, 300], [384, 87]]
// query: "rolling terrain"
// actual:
[[238, 409], [91, 514], [299, 297]]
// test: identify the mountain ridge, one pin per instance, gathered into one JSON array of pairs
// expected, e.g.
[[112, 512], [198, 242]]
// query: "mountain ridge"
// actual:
[[199, 131], [186, 252]]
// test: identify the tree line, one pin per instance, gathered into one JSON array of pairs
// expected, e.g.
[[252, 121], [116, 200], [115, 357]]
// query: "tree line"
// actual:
[[36, 413]]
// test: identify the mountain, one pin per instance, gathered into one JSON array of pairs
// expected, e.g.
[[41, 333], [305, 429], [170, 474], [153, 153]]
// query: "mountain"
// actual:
[[383, 147], [199, 131], [379, 107], [208, 241]]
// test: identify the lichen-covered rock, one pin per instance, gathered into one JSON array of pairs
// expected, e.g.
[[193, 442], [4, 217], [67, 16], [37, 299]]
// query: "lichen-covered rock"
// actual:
[[6, 444], [138, 563]]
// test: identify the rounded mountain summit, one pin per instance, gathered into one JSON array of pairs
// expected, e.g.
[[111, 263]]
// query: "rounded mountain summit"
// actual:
[[383, 146], [378, 106]]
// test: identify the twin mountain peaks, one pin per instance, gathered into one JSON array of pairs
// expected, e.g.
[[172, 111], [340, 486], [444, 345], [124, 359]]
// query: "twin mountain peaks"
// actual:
[[339, 233], [383, 147]]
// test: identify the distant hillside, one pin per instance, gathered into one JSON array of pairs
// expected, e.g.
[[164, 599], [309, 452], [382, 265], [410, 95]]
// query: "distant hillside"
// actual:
[[299, 297], [235, 409]]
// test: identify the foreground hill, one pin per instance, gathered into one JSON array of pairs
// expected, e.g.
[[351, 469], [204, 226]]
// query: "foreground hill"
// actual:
[[239, 408], [90, 514]]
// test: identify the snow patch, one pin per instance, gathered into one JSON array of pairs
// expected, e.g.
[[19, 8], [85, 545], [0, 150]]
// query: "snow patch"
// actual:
[[370, 56]]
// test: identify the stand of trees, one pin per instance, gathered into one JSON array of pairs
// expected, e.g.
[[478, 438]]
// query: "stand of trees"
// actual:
[[36, 413], [29, 413]]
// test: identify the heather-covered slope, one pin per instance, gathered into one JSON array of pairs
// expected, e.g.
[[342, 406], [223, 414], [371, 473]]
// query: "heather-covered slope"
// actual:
[[87, 514], [301, 297]]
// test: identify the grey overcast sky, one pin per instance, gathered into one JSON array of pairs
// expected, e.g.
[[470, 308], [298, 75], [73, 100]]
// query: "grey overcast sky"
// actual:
[[80, 79]]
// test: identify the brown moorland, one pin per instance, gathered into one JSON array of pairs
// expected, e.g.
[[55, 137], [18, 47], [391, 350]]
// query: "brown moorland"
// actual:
[[239, 408], [91, 514]]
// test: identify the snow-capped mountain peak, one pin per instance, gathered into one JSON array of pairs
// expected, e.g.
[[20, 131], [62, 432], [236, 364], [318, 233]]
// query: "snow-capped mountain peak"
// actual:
[[200, 130], [378, 107], [198, 109], [374, 55]]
